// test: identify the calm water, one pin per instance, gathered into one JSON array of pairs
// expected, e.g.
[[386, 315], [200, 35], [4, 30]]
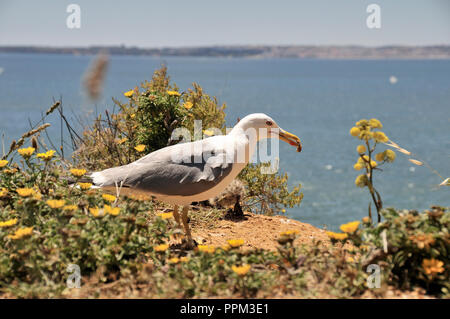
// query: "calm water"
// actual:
[[316, 99]]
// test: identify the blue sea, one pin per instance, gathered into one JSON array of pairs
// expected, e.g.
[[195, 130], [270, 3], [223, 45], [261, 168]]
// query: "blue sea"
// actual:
[[318, 100]]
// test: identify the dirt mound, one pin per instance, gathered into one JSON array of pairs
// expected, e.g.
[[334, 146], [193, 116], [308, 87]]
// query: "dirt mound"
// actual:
[[257, 231]]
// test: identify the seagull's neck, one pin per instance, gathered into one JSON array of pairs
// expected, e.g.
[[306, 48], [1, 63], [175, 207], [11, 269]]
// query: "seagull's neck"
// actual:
[[244, 142]]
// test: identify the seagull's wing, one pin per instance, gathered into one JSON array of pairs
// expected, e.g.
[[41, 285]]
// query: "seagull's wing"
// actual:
[[179, 170]]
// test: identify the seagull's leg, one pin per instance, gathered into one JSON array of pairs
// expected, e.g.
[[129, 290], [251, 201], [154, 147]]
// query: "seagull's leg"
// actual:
[[176, 215], [184, 217]]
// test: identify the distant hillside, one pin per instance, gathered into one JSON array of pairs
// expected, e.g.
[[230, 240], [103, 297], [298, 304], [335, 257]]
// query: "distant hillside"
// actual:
[[301, 52]]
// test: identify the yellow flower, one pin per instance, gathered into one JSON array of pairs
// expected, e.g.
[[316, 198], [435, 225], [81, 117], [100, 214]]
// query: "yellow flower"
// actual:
[[206, 249], [165, 215], [283, 210], [54, 203], [358, 166], [337, 236], [3, 163], [226, 247], [374, 123], [208, 132], [350, 227], [373, 164], [366, 220], [422, 240], [129, 93], [354, 131], [363, 122], [37, 196], [290, 232], [188, 105], [21, 232], [26, 152], [47, 155], [390, 156], [380, 156], [120, 141], [8, 223], [361, 180], [85, 186], [96, 212], [235, 243], [432, 266], [70, 207], [361, 149], [184, 259], [350, 259], [241, 270], [174, 260], [25, 192], [380, 137], [140, 148], [173, 93], [109, 198], [113, 211], [161, 248], [77, 172], [10, 171], [3, 192]]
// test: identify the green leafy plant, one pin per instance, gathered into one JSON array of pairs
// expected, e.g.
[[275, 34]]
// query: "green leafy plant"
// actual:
[[268, 193]]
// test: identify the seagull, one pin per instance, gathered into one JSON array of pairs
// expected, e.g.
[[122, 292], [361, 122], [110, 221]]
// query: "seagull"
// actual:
[[192, 172]]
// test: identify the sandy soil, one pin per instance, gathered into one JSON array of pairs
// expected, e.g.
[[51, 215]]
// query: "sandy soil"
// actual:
[[257, 231]]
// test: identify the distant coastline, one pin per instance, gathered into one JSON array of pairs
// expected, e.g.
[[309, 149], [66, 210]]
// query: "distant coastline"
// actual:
[[250, 51]]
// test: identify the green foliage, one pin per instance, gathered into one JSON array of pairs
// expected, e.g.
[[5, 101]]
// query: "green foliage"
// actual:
[[148, 117], [268, 193], [368, 132]]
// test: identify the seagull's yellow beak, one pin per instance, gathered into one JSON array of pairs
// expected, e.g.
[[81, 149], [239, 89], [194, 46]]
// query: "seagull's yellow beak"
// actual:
[[290, 138]]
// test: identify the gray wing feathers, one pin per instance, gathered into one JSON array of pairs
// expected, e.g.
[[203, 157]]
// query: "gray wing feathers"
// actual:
[[158, 173]]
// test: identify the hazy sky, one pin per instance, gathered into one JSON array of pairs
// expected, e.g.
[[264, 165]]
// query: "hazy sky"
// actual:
[[177, 23]]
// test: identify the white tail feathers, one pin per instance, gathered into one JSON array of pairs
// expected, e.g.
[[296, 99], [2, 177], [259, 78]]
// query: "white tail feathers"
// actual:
[[98, 178]]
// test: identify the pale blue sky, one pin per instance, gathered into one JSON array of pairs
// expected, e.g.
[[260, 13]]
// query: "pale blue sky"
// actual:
[[177, 23]]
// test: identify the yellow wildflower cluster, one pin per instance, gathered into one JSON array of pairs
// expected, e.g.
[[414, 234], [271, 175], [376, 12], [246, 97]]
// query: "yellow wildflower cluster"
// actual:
[[96, 212], [432, 266], [77, 172], [55, 203], [361, 180], [26, 152], [206, 249], [25, 192], [47, 156], [109, 198], [235, 243], [165, 215], [85, 186], [174, 93], [120, 141], [337, 236], [188, 105], [363, 130], [140, 148], [3, 163], [350, 227], [21, 233], [8, 223], [113, 211], [241, 270], [161, 248], [129, 93], [70, 207], [3, 192], [422, 240], [387, 155]]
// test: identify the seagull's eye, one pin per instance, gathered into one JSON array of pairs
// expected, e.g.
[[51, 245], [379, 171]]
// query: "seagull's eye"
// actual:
[[269, 123]]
